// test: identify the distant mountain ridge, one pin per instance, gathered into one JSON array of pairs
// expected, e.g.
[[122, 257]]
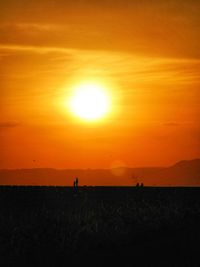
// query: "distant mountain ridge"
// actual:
[[183, 173]]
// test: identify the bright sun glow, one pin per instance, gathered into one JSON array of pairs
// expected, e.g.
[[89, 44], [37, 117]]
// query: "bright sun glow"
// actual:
[[90, 101]]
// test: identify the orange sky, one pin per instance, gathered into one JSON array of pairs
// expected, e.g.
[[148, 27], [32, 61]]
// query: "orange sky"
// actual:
[[147, 53]]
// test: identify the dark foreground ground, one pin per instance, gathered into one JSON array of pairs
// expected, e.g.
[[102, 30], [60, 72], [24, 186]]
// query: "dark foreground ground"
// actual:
[[99, 226]]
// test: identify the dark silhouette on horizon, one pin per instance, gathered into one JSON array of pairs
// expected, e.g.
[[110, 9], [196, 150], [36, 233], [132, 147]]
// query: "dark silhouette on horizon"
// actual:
[[140, 185], [183, 173], [75, 183]]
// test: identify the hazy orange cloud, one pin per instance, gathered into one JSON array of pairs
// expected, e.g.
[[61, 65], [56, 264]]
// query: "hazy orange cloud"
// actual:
[[155, 28]]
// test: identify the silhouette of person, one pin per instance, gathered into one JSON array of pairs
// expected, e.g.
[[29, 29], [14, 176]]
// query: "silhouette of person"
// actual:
[[142, 184], [76, 181], [137, 185], [74, 184]]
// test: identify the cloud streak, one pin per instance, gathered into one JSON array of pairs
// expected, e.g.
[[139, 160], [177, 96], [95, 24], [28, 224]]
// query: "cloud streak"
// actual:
[[157, 28], [35, 49], [117, 65], [9, 124]]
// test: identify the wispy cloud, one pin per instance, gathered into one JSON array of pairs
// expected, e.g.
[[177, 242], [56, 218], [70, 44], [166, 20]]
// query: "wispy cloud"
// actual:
[[9, 124], [36, 49], [171, 124], [40, 27], [121, 66], [177, 123]]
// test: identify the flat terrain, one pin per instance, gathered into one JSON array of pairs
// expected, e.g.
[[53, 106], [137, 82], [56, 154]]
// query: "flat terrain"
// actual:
[[99, 226]]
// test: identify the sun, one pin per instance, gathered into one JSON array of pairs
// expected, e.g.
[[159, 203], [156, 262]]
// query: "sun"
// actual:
[[90, 101]]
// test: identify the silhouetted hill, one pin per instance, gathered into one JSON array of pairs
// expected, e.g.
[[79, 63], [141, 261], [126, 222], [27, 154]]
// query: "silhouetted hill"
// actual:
[[183, 173]]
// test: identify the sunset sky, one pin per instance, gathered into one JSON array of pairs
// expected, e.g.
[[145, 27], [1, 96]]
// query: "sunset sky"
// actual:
[[145, 54]]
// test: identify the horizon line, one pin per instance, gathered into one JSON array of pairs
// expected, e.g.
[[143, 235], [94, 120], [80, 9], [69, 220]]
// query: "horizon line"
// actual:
[[88, 168]]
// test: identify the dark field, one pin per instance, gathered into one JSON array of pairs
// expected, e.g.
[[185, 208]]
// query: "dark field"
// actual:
[[99, 226]]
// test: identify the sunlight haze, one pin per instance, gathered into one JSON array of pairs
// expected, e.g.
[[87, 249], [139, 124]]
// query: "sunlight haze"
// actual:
[[144, 56]]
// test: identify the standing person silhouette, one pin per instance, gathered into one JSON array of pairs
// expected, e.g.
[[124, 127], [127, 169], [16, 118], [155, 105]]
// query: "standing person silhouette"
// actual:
[[76, 181]]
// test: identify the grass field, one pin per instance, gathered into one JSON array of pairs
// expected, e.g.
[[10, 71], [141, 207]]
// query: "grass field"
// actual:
[[100, 226]]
